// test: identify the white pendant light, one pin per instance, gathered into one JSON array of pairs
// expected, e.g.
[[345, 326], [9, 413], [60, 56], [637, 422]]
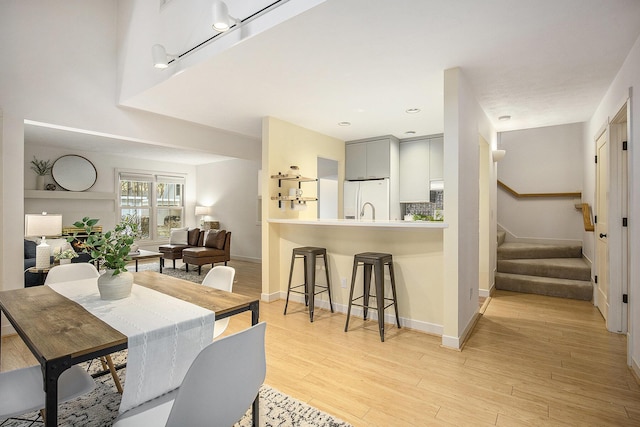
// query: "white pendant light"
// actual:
[[222, 21]]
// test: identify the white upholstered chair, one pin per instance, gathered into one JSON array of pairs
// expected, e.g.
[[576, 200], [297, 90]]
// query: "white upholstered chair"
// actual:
[[21, 390], [220, 277], [219, 387], [81, 271]]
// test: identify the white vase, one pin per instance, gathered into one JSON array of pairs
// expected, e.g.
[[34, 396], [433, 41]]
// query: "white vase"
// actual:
[[40, 182], [115, 287], [64, 261]]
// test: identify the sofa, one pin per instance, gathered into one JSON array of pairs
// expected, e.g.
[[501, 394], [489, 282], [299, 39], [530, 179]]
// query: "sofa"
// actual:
[[37, 279], [197, 247]]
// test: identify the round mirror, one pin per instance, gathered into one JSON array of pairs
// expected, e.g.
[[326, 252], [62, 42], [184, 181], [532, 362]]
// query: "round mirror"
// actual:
[[74, 173]]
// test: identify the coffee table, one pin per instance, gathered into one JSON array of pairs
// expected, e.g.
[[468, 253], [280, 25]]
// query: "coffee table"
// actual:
[[142, 254]]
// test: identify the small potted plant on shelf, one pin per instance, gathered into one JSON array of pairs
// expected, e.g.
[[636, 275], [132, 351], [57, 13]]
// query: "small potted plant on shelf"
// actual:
[[110, 250], [65, 256], [42, 168]]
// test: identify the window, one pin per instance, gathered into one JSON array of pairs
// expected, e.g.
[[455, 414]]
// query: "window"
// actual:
[[155, 201]]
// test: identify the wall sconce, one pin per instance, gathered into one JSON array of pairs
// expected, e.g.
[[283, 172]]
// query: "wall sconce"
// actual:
[[498, 155], [42, 226], [222, 21], [160, 57]]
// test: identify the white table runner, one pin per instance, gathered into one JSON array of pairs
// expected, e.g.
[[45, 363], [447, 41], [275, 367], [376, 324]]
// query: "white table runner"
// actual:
[[165, 334]]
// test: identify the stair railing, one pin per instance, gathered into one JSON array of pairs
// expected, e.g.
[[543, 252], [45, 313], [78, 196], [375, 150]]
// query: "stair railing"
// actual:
[[586, 210], [514, 193]]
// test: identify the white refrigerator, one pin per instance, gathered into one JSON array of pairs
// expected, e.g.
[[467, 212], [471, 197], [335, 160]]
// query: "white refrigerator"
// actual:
[[358, 193]]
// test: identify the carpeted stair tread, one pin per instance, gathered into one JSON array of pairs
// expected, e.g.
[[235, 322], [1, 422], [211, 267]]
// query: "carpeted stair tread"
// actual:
[[538, 250], [561, 268], [501, 235], [565, 288]]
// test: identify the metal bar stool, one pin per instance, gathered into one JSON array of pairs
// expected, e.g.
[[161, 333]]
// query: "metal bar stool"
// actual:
[[373, 261], [309, 253]]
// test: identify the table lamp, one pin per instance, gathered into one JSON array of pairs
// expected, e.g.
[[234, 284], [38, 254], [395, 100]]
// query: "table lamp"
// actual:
[[42, 225], [203, 211]]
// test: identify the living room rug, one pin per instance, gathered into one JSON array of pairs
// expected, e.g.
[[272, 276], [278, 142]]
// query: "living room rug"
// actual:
[[178, 272], [100, 407]]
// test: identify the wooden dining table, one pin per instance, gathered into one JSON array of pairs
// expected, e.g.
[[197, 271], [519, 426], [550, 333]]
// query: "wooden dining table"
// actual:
[[60, 333]]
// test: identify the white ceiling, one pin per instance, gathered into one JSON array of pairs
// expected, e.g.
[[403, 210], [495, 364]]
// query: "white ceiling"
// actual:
[[543, 62]]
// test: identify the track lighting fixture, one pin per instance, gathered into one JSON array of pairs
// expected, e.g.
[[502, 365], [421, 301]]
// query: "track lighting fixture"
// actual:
[[498, 155], [222, 21], [160, 57]]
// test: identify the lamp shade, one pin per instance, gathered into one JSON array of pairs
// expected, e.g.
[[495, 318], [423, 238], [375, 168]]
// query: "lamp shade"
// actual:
[[203, 210], [42, 225]]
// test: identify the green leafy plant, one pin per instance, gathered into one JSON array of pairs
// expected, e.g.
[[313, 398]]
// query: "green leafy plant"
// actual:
[[110, 249], [41, 167]]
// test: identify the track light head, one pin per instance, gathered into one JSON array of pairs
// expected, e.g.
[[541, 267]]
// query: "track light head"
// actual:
[[222, 21], [161, 57]]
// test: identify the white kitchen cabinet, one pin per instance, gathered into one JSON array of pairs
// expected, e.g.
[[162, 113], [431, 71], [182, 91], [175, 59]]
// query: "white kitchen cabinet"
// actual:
[[414, 171], [370, 159], [421, 161], [436, 158]]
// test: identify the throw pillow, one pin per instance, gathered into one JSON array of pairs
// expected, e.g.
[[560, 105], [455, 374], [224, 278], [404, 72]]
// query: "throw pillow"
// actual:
[[179, 237], [194, 236], [215, 239]]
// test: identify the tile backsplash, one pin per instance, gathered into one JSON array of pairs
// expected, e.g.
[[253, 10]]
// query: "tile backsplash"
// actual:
[[436, 203]]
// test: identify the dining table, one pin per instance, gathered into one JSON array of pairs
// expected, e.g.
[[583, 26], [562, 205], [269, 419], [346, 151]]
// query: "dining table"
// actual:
[[62, 331]]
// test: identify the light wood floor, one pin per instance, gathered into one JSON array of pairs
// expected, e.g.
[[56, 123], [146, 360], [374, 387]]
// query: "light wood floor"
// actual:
[[532, 360]]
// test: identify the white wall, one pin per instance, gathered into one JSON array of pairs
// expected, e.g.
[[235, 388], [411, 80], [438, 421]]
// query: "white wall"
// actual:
[[627, 81], [106, 165], [231, 188], [464, 122], [542, 160]]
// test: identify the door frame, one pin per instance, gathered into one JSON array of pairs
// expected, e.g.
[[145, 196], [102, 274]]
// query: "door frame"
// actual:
[[618, 131]]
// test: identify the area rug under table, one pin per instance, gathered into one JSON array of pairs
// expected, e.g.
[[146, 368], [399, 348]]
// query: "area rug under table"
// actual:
[[100, 407]]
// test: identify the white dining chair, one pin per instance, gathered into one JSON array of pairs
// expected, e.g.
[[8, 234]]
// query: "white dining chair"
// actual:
[[22, 391], [219, 387], [220, 277], [81, 271]]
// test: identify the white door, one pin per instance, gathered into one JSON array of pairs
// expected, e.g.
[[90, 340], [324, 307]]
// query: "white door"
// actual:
[[602, 225]]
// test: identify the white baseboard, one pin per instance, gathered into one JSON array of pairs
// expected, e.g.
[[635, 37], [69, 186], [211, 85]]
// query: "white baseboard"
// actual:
[[512, 238], [426, 327]]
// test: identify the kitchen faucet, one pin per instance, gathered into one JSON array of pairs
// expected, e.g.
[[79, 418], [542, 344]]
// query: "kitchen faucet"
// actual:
[[373, 210]]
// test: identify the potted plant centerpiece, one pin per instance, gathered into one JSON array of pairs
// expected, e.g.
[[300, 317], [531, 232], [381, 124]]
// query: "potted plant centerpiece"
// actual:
[[111, 251]]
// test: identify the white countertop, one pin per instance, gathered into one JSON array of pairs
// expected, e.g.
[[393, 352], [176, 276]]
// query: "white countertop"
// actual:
[[407, 225]]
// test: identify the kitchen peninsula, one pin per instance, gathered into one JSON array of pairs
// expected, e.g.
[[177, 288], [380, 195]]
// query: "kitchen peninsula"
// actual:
[[416, 246]]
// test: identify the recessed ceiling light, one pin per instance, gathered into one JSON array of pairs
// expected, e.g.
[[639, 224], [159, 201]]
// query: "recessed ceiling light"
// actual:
[[344, 124], [412, 110], [410, 132], [504, 118]]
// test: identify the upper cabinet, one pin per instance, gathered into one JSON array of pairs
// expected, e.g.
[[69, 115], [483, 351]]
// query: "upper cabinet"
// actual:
[[436, 158], [421, 161], [371, 158]]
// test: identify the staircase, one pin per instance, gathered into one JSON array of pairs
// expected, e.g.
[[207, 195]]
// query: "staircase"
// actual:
[[554, 270]]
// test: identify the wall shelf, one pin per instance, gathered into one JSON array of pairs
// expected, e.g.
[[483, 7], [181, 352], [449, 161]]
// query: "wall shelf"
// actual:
[[293, 178], [78, 195]]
